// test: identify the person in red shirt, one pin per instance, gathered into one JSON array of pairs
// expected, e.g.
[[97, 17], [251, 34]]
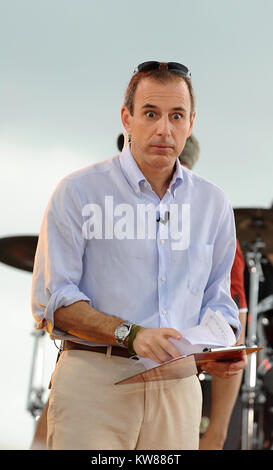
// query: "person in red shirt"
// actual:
[[237, 288]]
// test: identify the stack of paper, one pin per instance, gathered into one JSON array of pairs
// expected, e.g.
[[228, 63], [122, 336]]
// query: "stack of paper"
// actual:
[[213, 331]]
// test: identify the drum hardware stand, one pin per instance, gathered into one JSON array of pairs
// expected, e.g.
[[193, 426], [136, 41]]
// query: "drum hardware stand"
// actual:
[[265, 305], [265, 355], [252, 394], [35, 403]]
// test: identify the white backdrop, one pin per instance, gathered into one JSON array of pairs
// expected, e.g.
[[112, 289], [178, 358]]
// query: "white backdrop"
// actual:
[[64, 68]]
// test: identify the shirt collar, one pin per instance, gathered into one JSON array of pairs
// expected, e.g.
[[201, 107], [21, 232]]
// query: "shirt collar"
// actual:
[[135, 176], [177, 178], [131, 170]]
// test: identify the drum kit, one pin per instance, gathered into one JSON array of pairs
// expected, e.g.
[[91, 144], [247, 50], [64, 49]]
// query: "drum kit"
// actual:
[[255, 233]]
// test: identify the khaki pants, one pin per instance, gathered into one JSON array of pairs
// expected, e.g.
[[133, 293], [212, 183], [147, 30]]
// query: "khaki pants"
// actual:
[[87, 411]]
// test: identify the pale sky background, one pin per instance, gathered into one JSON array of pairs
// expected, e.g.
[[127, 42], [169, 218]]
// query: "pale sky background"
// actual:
[[64, 66]]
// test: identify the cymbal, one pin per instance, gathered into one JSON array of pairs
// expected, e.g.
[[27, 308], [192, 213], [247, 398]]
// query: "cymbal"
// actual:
[[19, 251], [255, 224]]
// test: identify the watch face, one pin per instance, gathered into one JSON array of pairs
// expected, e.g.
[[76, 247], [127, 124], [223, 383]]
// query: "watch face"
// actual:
[[122, 331]]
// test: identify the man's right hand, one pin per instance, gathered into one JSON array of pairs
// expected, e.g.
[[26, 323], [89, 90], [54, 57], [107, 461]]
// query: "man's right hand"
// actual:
[[154, 344]]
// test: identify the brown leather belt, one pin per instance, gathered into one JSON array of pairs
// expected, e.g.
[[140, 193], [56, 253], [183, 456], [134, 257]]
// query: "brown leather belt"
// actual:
[[115, 350]]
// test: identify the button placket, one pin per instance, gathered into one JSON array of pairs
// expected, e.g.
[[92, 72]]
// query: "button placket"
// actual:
[[163, 250]]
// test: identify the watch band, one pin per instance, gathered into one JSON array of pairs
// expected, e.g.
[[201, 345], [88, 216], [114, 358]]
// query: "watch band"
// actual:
[[131, 338]]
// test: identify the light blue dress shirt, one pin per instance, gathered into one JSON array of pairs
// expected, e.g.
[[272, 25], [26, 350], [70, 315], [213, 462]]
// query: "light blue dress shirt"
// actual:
[[94, 246]]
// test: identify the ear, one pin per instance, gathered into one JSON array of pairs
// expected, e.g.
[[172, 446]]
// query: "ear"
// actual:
[[126, 118]]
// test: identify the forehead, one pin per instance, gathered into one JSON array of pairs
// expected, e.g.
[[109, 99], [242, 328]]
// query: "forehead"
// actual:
[[170, 94]]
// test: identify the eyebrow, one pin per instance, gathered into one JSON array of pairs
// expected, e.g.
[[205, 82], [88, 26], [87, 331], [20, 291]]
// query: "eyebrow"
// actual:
[[152, 106]]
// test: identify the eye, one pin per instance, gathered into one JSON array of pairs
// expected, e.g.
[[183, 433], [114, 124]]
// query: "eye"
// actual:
[[177, 116], [150, 114]]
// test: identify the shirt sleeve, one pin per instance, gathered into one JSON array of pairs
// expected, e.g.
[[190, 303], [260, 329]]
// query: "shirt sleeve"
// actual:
[[217, 295], [58, 260]]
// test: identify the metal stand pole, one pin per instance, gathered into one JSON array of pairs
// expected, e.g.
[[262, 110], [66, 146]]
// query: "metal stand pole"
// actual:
[[35, 402], [251, 387]]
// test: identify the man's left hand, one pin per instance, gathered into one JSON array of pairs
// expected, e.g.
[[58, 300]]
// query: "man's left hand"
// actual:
[[226, 369]]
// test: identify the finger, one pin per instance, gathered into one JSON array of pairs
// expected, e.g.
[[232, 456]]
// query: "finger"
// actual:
[[153, 357], [164, 349], [170, 348], [171, 332], [154, 351], [149, 354], [160, 353], [239, 364], [220, 369], [223, 374], [229, 365], [229, 374]]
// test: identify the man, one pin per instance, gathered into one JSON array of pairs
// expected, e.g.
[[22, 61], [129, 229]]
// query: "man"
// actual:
[[223, 392], [112, 289]]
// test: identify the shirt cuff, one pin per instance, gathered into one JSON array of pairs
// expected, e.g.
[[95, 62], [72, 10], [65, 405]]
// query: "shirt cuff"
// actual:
[[61, 298]]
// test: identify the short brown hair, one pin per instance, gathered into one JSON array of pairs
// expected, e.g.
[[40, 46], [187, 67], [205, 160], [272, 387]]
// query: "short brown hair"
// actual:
[[162, 74]]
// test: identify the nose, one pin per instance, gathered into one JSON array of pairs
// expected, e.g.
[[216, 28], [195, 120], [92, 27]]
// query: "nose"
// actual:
[[164, 126]]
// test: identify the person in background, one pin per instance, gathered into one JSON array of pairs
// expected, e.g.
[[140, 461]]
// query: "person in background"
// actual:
[[223, 392]]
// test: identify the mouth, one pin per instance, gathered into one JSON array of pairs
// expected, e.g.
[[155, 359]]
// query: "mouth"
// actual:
[[162, 147]]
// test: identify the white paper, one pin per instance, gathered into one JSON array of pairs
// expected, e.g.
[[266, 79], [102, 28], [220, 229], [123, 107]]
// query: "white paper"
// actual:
[[213, 331]]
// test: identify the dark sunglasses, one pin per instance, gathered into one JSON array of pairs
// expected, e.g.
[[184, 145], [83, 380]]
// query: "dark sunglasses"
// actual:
[[172, 66]]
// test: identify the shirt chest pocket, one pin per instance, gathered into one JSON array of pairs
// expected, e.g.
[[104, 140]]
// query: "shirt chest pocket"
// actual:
[[200, 263]]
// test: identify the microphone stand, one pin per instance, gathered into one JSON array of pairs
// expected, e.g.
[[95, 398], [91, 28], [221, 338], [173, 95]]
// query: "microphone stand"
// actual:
[[251, 387], [35, 402]]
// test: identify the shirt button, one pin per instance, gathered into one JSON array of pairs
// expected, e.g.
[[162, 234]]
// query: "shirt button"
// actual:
[[164, 312], [137, 190], [162, 242], [163, 278]]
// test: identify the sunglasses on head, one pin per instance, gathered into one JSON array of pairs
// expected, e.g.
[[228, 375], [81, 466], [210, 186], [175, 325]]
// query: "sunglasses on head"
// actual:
[[172, 66]]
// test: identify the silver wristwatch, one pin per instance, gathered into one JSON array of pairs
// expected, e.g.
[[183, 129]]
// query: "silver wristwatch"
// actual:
[[122, 332]]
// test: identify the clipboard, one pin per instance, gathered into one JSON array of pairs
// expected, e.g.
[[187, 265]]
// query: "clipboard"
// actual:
[[185, 366]]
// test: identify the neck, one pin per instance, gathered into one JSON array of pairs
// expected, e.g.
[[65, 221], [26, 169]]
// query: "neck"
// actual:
[[158, 177], [160, 185]]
